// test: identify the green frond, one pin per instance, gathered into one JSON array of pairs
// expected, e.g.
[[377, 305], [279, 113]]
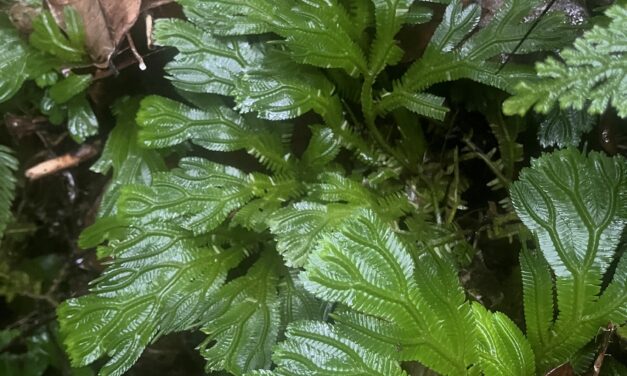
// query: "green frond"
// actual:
[[361, 14], [198, 196], [538, 291], [254, 215], [320, 33], [296, 303], [230, 17], [280, 90], [612, 304], [8, 166], [69, 87], [420, 103], [204, 63], [271, 194], [441, 302], [68, 44], [374, 334], [335, 187], [243, 321], [503, 349], [159, 281], [13, 66], [104, 229], [509, 26], [402, 306], [436, 68], [366, 152], [81, 122], [564, 127], [366, 267], [390, 15], [281, 188], [130, 163], [452, 54], [322, 149], [387, 268], [590, 74], [418, 13], [166, 123], [392, 205], [575, 206], [458, 21], [299, 227], [316, 348], [317, 32]]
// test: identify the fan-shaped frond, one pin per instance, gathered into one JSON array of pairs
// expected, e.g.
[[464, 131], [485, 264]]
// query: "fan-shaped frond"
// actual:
[[204, 63], [159, 281], [576, 207], [8, 166], [167, 123], [590, 74], [197, 197], [244, 319], [451, 55], [13, 66]]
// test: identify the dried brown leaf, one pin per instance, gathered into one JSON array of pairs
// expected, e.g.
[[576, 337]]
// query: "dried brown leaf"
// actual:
[[149, 4], [106, 22]]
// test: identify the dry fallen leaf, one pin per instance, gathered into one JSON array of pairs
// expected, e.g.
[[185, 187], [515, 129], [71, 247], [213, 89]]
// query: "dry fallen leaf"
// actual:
[[149, 4], [106, 22], [563, 370]]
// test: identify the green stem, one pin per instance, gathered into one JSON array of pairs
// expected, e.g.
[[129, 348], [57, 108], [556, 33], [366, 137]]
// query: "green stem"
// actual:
[[455, 183], [499, 175], [367, 105]]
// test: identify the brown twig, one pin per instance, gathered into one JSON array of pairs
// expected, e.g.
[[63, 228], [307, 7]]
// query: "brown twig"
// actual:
[[20, 126], [598, 363], [45, 297], [114, 70], [139, 58], [149, 25], [61, 163]]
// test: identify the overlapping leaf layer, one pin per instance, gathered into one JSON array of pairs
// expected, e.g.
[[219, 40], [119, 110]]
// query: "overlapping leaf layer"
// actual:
[[300, 258], [590, 76], [45, 59], [8, 165], [576, 207]]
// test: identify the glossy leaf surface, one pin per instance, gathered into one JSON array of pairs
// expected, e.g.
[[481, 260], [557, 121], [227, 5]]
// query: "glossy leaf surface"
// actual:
[[13, 69], [8, 166], [204, 64], [590, 74], [196, 197], [159, 282], [564, 127], [244, 320], [575, 205], [82, 122], [68, 44]]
